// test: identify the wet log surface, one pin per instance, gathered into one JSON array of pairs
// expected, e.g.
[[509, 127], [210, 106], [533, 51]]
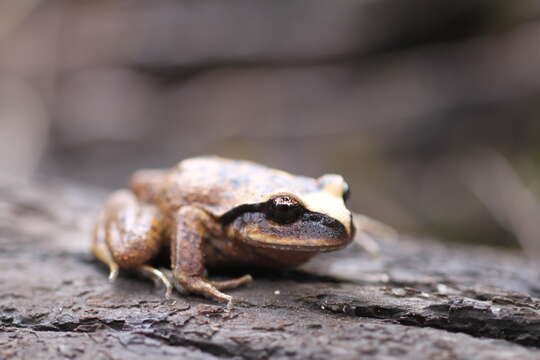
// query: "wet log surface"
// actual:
[[418, 300]]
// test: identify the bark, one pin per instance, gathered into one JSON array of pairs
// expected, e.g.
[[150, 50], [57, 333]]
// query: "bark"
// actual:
[[418, 300]]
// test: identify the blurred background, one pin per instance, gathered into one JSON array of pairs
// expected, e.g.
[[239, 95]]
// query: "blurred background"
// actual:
[[429, 108]]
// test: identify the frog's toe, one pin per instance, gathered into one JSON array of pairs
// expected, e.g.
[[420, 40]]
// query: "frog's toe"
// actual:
[[113, 271], [201, 286], [233, 283], [230, 304], [158, 277], [102, 252]]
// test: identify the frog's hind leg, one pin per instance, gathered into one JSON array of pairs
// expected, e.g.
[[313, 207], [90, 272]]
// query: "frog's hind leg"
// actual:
[[101, 250], [128, 235]]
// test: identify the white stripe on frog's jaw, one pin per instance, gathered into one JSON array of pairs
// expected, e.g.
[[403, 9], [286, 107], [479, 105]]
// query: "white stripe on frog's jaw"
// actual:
[[269, 240]]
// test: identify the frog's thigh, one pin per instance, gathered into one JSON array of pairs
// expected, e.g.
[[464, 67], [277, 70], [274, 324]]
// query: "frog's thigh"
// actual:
[[132, 230], [128, 233], [187, 257]]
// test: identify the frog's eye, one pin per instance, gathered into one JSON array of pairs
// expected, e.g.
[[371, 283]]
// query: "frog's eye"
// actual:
[[346, 192], [284, 209]]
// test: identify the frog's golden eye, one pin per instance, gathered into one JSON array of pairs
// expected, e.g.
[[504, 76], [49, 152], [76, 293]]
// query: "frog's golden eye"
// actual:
[[283, 209]]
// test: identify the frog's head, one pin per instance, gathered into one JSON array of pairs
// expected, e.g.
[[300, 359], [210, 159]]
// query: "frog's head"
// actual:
[[311, 221]]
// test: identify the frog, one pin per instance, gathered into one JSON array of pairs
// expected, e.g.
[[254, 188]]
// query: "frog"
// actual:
[[210, 212]]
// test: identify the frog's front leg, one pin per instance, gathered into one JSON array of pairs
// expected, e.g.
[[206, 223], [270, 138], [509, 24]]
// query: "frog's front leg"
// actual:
[[127, 235], [187, 257]]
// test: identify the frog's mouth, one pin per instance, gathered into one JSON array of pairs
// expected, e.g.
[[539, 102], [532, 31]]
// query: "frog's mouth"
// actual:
[[312, 232]]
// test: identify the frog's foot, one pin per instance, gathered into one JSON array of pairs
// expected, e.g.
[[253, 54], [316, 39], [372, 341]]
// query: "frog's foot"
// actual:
[[102, 252], [199, 285], [158, 277], [114, 269], [233, 283]]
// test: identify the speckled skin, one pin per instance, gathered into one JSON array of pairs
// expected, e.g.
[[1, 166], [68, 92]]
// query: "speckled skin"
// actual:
[[215, 212]]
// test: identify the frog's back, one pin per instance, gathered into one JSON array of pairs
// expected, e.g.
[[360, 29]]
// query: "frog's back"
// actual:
[[218, 185]]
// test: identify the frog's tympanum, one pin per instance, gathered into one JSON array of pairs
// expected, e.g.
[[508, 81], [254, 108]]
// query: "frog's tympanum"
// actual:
[[214, 212]]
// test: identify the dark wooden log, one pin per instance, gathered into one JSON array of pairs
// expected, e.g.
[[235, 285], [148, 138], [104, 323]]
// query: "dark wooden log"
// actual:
[[418, 300]]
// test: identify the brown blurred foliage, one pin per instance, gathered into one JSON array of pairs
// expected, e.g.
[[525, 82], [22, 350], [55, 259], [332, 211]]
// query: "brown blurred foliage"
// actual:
[[395, 95]]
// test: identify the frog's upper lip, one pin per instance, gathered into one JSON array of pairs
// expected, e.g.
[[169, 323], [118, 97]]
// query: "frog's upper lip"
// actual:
[[305, 244]]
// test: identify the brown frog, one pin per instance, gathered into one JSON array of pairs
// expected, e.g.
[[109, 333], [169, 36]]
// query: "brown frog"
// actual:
[[213, 212]]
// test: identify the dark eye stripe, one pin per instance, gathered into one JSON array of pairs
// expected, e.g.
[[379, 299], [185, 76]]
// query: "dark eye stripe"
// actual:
[[232, 214], [282, 209]]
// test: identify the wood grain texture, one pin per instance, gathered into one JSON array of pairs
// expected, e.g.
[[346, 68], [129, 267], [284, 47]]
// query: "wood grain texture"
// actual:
[[418, 300]]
